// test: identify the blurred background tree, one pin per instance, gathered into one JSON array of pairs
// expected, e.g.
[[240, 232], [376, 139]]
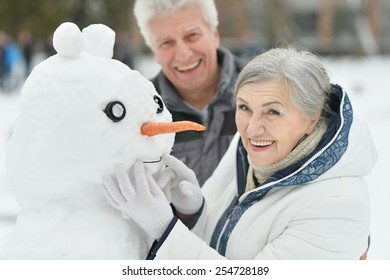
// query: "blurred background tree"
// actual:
[[42, 17], [358, 27]]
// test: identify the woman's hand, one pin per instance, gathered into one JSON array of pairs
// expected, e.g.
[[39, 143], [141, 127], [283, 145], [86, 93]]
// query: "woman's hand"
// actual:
[[180, 186], [142, 200]]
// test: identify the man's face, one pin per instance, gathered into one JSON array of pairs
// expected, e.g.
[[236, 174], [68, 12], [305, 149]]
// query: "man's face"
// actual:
[[185, 47]]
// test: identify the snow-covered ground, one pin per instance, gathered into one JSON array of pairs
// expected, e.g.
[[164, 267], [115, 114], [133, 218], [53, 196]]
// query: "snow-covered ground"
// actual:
[[365, 79]]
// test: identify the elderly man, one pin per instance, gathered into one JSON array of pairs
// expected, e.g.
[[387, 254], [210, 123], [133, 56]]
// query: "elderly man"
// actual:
[[196, 77]]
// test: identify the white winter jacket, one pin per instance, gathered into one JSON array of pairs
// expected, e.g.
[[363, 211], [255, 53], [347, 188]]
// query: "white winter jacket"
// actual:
[[317, 209]]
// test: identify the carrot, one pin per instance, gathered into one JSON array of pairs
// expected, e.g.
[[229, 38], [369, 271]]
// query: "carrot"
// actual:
[[155, 128]]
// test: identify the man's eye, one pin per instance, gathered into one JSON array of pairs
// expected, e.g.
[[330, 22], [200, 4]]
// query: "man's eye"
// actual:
[[166, 44], [193, 36]]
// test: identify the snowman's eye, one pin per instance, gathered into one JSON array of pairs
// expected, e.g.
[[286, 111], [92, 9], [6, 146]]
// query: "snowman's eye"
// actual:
[[115, 110], [159, 103]]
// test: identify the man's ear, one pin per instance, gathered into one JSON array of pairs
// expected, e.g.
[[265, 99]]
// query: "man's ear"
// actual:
[[217, 38]]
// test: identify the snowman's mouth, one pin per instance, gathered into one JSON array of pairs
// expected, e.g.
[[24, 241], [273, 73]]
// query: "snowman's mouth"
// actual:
[[153, 161]]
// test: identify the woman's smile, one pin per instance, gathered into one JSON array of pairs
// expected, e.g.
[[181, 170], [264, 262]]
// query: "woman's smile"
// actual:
[[260, 145]]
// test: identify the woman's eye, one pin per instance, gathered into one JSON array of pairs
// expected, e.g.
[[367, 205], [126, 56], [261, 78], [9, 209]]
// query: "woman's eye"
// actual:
[[242, 107], [274, 112]]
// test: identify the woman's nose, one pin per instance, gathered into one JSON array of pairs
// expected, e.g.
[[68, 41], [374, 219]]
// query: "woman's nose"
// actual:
[[256, 126]]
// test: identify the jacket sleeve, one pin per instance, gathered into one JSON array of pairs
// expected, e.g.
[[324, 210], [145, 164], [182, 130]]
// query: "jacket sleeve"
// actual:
[[182, 244]]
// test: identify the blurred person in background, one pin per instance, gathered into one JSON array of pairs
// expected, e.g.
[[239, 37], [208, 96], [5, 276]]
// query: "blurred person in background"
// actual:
[[123, 49], [11, 58], [4, 69], [196, 78], [26, 42], [290, 186], [48, 47]]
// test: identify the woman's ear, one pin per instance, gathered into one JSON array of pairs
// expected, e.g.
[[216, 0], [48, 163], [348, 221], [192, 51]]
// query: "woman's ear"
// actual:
[[312, 123]]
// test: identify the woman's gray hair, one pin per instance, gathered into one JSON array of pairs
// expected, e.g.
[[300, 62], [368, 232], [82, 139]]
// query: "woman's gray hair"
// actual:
[[304, 76], [144, 10]]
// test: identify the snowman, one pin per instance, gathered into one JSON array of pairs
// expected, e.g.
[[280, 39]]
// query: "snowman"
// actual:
[[82, 113]]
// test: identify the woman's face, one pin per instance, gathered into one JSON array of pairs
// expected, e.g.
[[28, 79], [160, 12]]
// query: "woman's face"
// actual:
[[269, 124]]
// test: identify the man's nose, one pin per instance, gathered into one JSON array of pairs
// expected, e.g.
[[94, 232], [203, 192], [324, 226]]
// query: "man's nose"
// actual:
[[183, 51]]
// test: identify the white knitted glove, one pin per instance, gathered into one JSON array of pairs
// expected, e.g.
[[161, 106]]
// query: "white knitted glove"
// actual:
[[142, 200], [180, 186]]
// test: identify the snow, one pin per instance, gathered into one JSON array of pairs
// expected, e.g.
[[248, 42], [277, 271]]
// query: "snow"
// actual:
[[67, 40], [365, 80], [65, 140], [99, 40]]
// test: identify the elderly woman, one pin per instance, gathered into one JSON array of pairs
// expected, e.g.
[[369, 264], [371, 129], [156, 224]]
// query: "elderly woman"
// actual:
[[290, 185]]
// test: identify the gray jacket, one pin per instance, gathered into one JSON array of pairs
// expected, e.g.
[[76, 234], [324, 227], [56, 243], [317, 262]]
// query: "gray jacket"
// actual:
[[202, 151]]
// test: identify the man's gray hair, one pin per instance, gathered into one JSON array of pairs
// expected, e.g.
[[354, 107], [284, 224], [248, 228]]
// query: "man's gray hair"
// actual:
[[144, 10], [302, 72]]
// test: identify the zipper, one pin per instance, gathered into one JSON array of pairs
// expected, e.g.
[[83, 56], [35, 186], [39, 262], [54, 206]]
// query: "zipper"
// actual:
[[234, 207], [236, 199]]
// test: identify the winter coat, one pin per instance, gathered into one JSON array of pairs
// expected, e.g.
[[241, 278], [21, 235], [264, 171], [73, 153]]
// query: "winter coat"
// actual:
[[316, 209], [202, 151]]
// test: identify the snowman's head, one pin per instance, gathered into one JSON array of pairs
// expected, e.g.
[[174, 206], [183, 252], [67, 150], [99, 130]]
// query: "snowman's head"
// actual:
[[82, 113]]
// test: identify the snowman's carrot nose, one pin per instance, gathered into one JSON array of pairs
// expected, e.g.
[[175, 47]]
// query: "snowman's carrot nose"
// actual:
[[155, 128]]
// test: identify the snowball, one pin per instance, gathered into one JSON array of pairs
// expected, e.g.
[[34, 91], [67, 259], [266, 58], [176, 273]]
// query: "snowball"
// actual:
[[67, 40], [99, 40]]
